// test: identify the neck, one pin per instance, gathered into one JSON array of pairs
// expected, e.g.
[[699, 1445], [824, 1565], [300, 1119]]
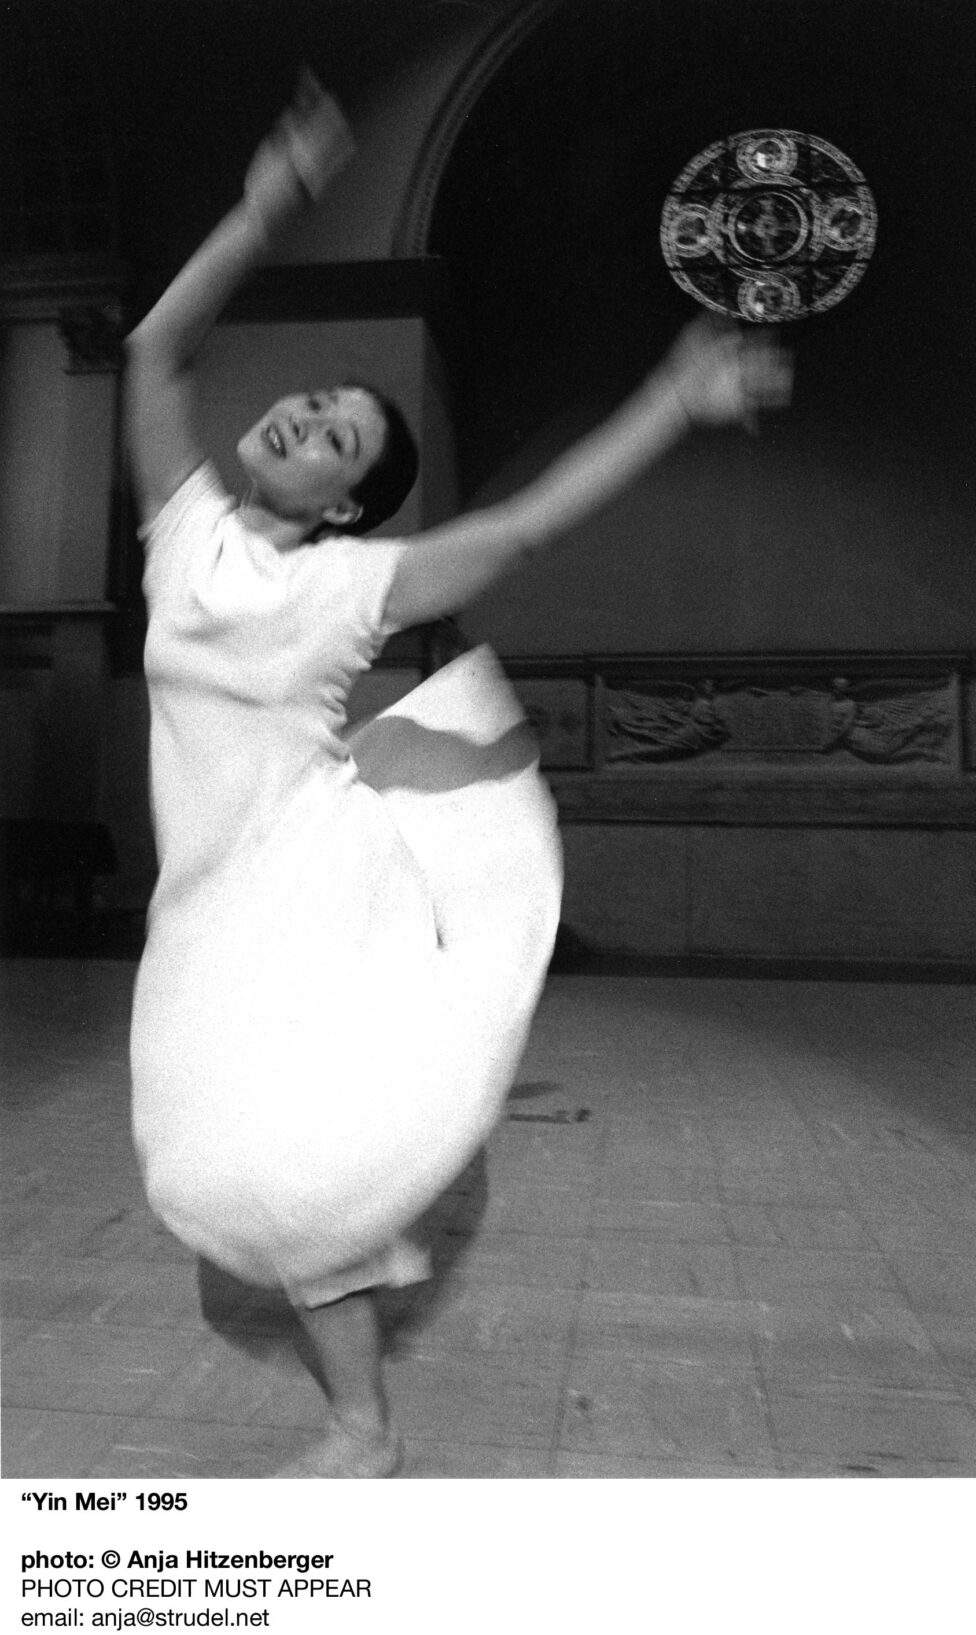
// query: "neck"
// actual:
[[284, 533]]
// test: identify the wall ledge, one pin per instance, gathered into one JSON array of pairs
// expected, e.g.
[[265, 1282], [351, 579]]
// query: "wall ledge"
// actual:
[[37, 288], [766, 801], [771, 740], [10, 612]]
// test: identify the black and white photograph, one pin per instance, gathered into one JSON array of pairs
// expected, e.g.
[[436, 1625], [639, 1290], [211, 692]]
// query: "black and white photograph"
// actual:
[[488, 738]]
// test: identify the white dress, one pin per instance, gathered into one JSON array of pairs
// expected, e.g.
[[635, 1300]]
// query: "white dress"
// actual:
[[348, 937]]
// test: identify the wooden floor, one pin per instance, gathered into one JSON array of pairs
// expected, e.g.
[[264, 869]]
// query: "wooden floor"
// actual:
[[726, 1230]]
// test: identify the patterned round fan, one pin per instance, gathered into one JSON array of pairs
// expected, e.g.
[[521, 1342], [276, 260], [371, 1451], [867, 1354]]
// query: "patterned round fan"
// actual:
[[769, 226]]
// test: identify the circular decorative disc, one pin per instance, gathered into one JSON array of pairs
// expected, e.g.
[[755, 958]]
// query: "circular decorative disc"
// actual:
[[769, 226]]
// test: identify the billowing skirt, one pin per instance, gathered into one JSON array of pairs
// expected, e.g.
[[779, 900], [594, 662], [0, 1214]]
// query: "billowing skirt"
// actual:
[[325, 1035]]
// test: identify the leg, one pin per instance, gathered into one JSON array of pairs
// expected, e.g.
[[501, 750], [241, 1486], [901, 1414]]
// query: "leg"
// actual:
[[345, 1342]]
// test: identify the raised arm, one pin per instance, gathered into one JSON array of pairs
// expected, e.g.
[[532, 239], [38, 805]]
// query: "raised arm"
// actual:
[[714, 374], [308, 147]]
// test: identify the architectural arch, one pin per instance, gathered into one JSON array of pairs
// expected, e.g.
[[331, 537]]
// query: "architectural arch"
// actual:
[[413, 228]]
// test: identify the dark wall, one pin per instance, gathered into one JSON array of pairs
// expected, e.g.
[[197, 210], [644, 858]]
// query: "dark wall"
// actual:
[[849, 523], [148, 111]]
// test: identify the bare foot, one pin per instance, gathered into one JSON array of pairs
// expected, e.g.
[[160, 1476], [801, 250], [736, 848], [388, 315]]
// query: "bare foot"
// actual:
[[344, 1453]]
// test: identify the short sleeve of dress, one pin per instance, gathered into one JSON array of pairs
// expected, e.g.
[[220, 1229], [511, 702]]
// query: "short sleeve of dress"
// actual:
[[368, 568], [190, 515]]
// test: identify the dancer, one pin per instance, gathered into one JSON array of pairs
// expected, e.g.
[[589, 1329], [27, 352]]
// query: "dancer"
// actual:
[[348, 937]]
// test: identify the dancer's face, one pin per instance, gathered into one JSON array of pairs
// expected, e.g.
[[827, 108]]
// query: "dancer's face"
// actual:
[[310, 450]]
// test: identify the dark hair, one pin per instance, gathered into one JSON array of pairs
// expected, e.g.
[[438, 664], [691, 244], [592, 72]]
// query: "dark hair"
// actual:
[[392, 475]]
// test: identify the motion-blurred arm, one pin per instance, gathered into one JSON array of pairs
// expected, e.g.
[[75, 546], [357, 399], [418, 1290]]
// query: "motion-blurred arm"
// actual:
[[715, 374], [291, 169]]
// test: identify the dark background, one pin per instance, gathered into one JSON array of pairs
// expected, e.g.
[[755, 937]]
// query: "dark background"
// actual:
[[852, 522]]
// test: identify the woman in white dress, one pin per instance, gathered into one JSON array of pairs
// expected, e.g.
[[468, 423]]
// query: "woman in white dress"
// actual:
[[348, 937]]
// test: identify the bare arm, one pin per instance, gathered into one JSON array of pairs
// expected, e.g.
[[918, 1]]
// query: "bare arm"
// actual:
[[160, 399], [713, 375], [291, 168]]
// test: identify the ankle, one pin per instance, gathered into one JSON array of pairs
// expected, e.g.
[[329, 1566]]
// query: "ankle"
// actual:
[[367, 1422]]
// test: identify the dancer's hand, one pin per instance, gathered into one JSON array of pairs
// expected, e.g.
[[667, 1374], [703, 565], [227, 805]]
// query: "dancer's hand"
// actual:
[[309, 146], [722, 374]]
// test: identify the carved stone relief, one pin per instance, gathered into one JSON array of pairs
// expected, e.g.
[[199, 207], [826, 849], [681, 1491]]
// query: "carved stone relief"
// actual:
[[891, 723], [558, 709], [667, 725], [883, 722]]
